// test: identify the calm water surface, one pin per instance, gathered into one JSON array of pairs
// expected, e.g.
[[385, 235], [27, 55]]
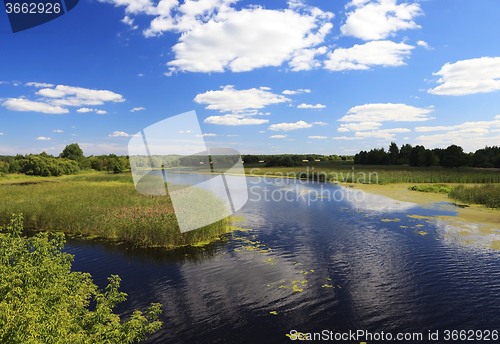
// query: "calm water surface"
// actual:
[[339, 263]]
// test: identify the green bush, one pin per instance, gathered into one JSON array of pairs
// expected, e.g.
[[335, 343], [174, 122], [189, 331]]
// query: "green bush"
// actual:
[[43, 301]]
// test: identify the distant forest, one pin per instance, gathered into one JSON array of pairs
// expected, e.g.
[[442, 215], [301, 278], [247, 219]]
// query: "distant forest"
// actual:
[[72, 160], [452, 156]]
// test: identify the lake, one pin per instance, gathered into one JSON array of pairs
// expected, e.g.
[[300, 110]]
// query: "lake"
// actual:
[[324, 259]]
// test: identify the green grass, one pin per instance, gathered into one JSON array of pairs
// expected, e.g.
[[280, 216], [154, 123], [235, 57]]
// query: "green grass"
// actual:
[[488, 195], [375, 174], [102, 205], [437, 188]]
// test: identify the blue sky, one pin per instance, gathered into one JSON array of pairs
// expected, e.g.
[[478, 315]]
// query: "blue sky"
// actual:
[[326, 77]]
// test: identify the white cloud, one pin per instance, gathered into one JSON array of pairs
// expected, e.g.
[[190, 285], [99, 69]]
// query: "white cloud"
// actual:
[[386, 112], [119, 134], [277, 136], [387, 134], [463, 126], [78, 96], [1, 134], [185, 131], [232, 135], [304, 59], [379, 19], [84, 110], [21, 104], [320, 123], [480, 75], [127, 20], [425, 45], [470, 139], [310, 106], [57, 131], [229, 99], [234, 120], [42, 138], [300, 90], [265, 88], [361, 126], [289, 126], [346, 138], [137, 109], [361, 57], [317, 137], [241, 40], [211, 135], [38, 84]]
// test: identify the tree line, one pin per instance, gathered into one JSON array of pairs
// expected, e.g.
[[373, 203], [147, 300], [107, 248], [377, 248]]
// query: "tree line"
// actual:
[[70, 160], [419, 156]]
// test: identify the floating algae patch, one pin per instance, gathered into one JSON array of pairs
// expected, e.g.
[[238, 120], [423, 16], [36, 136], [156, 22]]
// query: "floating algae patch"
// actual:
[[391, 220], [421, 217], [295, 288], [422, 233], [274, 312]]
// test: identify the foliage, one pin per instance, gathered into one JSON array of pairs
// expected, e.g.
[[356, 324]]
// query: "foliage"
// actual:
[[419, 156], [437, 188], [43, 301], [487, 194], [72, 152]]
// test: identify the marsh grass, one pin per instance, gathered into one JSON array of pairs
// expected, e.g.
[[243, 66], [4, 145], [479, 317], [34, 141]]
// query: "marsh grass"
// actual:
[[104, 205], [374, 174], [437, 188], [487, 194]]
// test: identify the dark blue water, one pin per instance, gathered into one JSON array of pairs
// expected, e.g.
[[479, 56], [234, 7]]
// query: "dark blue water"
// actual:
[[358, 262]]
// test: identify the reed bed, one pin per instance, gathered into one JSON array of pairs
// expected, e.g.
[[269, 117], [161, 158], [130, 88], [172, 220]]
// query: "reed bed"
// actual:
[[487, 194], [373, 174], [105, 206]]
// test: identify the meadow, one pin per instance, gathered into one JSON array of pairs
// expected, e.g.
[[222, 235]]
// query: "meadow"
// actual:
[[101, 205]]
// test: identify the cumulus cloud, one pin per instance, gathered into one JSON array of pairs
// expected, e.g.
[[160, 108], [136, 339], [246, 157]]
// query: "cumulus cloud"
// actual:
[[127, 20], [85, 110], [21, 104], [470, 139], [277, 136], [210, 135], [304, 59], [236, 40], [57, 131], [137, 109], [387, 134], [300, 90], [317, 137], [310, 106], [362, 57], [289, 126], [119, 134], [379, 19], [320, 123], [229, 99], [1, 134], [78, 96], [38, 84], [361, 126], [425, 45], [480, 75], [386, 112], [464, 126], [42, 138], [234, 120]]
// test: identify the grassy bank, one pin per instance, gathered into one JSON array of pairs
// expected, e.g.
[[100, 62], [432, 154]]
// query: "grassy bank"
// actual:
[[374, 174], [102, 205]]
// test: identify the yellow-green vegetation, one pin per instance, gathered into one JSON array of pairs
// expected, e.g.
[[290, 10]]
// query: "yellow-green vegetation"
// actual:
[[43, 301], [487, 194], [438, 188], [102, 205]]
